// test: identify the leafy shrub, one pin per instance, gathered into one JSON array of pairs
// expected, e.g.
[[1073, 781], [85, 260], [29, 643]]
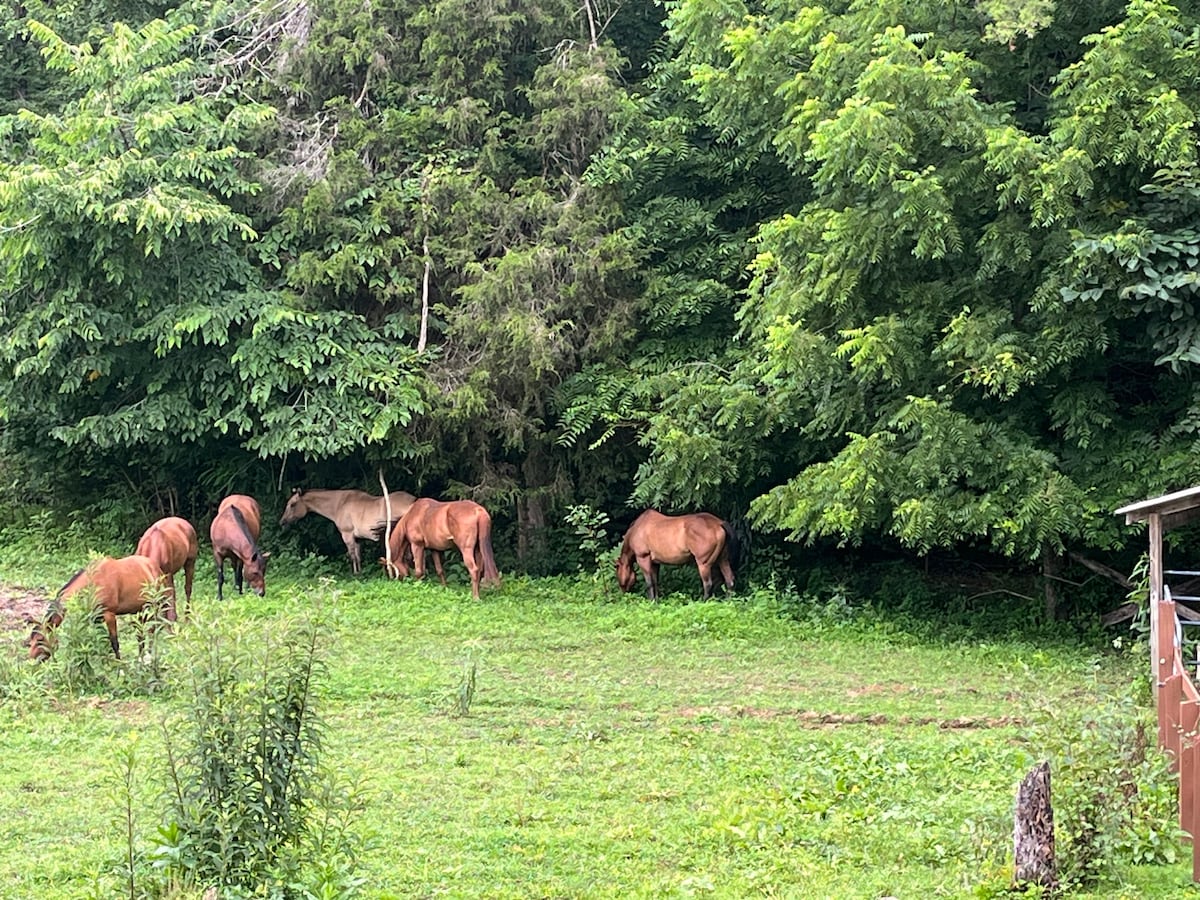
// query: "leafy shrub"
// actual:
[[250, 807], [595, 546], [1113, 794]]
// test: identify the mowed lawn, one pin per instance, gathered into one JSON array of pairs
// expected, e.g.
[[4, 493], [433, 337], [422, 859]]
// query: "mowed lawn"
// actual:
[[612, 747]]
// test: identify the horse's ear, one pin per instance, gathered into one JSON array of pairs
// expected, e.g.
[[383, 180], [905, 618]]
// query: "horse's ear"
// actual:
[[266, 555], [296, 491]]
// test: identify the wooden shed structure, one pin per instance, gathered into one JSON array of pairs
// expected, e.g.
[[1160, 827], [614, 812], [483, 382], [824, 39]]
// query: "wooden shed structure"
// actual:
[[1176, 699]]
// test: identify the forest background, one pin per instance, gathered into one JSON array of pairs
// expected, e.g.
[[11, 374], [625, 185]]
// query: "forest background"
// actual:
[[889, 279]]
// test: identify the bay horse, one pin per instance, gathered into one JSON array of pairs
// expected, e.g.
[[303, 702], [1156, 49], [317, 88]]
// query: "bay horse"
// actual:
[[234, 534], [654, 538], [172, 543], [123, 586], [356, 514], [436, 525]]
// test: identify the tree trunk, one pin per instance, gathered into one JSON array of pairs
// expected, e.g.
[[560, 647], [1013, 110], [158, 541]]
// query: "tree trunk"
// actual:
[[1033, 831], [1051, 567]]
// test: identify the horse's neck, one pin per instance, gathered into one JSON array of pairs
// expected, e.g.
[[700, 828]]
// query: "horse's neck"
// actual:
[[77, 582], [324, 503]]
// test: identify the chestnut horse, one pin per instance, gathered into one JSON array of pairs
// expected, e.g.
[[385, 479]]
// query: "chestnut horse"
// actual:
[[437, 526], [121, 588], [654, 538], [356, 514], [172, 543], [234, 534]]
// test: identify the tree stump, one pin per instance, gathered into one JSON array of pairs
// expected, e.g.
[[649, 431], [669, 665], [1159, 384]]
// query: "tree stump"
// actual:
[[1033, 831]]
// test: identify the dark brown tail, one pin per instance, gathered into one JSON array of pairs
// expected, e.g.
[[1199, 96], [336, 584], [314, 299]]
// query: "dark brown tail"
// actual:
[[491, 574], [733, 547]]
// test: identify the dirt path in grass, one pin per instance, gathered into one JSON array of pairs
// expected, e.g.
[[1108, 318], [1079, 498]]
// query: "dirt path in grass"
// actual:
[[18, 605]]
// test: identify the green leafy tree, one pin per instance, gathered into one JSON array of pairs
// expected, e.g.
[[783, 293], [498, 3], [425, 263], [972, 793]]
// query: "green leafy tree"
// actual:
[[937, 322]]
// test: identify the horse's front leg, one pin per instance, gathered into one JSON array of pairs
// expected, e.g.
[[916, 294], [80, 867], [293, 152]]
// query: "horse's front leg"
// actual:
[[418, 555], [650, 572], [237, 574], [438, 559]]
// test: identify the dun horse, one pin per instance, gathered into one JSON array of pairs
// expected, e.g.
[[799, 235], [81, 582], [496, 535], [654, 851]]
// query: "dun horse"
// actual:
[[653, 539], [172, 543], [356, 514], [437, 526], [234, 534], [122, 586]]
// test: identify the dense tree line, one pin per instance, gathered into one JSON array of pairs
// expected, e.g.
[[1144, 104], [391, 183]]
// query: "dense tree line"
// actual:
[[910, 273]]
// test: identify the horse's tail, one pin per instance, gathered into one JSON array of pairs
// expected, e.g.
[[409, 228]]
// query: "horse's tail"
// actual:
[[733, 547], [491, 573]]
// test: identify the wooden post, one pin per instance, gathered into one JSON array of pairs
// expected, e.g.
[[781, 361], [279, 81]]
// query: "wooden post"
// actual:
[[1157, 664], [1189, 775], [1033, 830]]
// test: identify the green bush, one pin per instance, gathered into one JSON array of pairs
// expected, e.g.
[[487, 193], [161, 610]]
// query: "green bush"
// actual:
[[1115, 799], [251, 809]]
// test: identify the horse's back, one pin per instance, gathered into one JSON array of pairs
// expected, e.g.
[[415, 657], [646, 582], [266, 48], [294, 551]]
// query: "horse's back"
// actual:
[[171, 542], [675, 539], [249, 509], [120, 582]]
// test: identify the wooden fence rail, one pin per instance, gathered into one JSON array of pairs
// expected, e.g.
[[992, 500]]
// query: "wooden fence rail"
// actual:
[[1178, 716]]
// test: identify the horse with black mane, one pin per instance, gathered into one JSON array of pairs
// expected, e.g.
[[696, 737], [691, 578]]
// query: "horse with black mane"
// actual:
[[123, 586], [654, 538], [234, 534]]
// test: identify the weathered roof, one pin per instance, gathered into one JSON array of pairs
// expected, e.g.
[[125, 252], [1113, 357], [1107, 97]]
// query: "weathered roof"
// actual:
[[1167, 504]]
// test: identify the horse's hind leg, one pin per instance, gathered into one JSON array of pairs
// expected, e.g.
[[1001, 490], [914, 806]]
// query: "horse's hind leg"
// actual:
[[189, 573], [438, 565], [474, 567], [353, 552], [110, 622], [220, 578], [706, 578], [727, 572]]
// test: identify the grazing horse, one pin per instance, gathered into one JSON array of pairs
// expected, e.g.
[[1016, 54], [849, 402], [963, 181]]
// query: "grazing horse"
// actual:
[[356, 514], [172, 543], [437, 526], [234, 534], [654, 538], [121, 588]]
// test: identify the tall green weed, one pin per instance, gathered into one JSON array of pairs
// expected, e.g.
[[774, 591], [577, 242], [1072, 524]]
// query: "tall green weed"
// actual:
[[251, 809]]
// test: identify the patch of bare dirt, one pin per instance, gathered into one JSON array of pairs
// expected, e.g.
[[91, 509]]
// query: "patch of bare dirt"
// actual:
[[18, 606], [812, 719]]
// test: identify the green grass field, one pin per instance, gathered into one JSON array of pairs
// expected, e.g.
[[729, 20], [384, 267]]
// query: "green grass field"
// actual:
[[612, 747]]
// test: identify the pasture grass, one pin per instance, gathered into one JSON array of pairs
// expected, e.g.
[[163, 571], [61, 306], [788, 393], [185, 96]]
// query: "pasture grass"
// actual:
[[762, 746]]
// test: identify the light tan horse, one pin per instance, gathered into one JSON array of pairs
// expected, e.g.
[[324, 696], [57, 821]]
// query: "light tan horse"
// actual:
[[234, 534], [122, 586], [654, 538], [437, 526], [356, 514], [172, 543]]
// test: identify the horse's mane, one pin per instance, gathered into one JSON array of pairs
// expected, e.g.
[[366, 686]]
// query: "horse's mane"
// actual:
[[70, 581], [241, 521]]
